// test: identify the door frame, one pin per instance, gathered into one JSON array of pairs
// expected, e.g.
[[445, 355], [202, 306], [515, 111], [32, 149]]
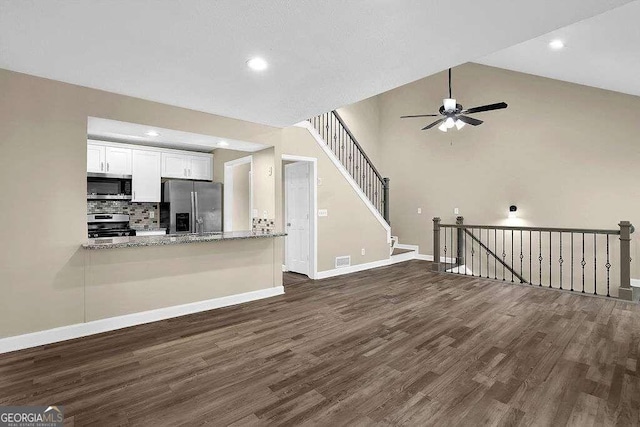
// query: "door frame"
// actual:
[[227, 208], [313, 209]]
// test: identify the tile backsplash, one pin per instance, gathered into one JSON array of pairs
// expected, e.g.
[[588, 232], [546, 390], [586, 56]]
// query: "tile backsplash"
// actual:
[[139, 213], [265, 225]]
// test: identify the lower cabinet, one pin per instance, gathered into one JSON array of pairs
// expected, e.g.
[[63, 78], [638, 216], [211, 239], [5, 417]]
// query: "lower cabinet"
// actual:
[[147, 168]]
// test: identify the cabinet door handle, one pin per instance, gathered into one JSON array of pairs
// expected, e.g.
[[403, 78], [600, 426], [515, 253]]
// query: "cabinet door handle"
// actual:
[[185, 172], [134, 195], [101, 166], [189, 172], [107, 166]]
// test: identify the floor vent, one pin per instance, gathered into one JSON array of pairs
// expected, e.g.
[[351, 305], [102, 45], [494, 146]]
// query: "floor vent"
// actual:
[[343, 261]]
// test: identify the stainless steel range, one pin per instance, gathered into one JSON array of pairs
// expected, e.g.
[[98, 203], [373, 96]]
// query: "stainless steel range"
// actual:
[[109, 225]]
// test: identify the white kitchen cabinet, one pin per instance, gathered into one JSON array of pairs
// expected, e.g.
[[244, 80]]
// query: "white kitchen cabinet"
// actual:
[[174, 165], [95, 158], [200, 167], [118, 160], [147, 167], [186, 166]]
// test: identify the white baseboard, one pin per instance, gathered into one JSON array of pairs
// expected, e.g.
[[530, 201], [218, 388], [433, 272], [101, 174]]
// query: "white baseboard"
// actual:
[[78, 330], [409, 247], [284, 268], [366, 266], [430, 258], [403, 257], [635, 283]]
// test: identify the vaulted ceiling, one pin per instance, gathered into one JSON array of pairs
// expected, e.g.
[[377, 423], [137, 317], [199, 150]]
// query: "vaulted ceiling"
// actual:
[[602, 51], [321, 54]]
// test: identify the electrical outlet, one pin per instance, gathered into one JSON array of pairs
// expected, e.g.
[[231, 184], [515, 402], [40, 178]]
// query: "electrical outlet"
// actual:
[[152, 214], [254, 213], [319, 182], [264, 214], [456, 211], [323, 212], [419, 211], [363, 251]]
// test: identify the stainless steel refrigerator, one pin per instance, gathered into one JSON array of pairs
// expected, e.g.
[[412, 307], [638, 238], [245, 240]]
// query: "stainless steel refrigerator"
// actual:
[[191, 206]]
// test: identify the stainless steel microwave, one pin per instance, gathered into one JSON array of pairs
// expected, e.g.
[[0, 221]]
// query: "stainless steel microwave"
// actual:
[[101, 186]]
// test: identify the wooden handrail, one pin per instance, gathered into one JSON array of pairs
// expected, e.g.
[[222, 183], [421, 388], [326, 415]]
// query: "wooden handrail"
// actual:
[[543, 229]]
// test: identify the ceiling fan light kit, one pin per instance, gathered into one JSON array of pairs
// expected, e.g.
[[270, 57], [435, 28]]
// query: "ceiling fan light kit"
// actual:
[[454, 115]]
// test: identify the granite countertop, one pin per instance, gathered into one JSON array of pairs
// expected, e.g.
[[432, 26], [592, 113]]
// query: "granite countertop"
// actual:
[[174, 239]]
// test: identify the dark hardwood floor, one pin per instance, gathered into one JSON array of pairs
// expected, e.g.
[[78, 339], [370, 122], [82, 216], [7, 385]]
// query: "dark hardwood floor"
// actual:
[[394, 345]]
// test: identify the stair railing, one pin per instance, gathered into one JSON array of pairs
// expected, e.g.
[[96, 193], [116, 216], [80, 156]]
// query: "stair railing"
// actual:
[[345, 146], [574, 259]]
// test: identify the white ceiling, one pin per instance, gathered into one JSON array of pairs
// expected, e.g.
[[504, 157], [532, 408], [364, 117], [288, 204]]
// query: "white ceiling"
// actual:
[[113, 130], [603, 52], [322, 54]]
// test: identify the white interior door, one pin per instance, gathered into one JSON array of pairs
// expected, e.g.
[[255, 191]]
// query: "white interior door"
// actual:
[[297, 215]]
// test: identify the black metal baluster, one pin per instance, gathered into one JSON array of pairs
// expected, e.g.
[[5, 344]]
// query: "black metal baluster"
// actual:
[[472, 255], [495, 250], [540, 259], [457, 261], [530, 257], [512, 256], [571, 262], [445, 249], [608, 265], [465, 253], [521, 257], [550, 275], [487, 254], [583, 263], [504, 255], [560, 260], [480, 252], [595, 266]]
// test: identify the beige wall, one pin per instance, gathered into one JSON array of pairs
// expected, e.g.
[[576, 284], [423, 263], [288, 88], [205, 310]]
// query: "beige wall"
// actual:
[[566, 155], [349, 226], [363, 120], [241, 198], [43, 129], [264, 166]]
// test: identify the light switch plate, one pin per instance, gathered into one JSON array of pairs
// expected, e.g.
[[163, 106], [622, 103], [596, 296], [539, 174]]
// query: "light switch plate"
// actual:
[[319, 182], [456, 211], [419, 210], [323, 212], [363, 251], [152, 214]]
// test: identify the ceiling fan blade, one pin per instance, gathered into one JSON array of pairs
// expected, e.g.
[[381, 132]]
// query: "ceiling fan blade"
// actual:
[[498, 106], [470, 120], [420, 115], [437, 122]]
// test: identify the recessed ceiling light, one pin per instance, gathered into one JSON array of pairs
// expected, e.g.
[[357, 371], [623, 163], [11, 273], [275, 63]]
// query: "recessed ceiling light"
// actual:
[[223, 144], [257, 64], [556, 44], [152, 133]]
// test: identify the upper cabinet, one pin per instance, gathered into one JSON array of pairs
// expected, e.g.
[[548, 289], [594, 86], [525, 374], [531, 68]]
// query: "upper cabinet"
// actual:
[[146, 176], [95, 158], [187, 166], [201, 167], [118, 159], [108, 159]]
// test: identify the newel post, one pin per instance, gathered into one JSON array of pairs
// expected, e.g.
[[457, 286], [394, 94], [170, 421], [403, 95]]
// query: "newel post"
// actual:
[[625, 292], [459, 239], [436, 245], [385, 198]]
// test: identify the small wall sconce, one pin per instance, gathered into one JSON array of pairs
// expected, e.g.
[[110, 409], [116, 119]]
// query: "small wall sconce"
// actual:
[[512, 211]]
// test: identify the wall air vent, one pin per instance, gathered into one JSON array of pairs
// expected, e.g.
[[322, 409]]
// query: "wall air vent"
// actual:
[[343, 261]]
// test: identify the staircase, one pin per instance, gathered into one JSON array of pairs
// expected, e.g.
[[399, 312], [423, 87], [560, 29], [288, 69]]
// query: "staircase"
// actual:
[[339, 139]]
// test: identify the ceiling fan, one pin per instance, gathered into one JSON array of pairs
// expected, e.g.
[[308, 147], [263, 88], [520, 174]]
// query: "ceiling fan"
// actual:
[[454, 115]]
